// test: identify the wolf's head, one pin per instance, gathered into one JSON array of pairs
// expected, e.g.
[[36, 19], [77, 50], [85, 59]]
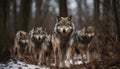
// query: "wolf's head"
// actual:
[[38, 34], [86, 34], [90, 31], [64, 26], [22, 38]]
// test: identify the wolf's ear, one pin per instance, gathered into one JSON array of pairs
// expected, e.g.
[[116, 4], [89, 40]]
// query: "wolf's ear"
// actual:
[[58, 18], [70, 18], [44, 29], [41, 28], [20, 33], [84, 28], [33, 28]]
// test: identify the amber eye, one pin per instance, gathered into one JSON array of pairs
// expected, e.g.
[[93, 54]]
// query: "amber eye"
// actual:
[[59, 24], [33, 33], [44, 33], [20, 38], [68, 24], [87, 31]]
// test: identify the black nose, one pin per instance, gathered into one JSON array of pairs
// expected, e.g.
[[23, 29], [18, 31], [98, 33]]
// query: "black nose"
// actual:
[[39, 38], [64, 31]]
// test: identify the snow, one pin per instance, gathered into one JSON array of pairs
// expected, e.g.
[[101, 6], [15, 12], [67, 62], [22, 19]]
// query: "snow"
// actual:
[[23, 65]]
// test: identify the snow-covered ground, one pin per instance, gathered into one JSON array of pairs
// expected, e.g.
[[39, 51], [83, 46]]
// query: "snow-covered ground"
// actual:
[[23, 65], [20, 65]]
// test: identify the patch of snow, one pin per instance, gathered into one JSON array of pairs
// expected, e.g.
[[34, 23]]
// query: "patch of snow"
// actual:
[[53, 64], [21, 65], [78, 62]]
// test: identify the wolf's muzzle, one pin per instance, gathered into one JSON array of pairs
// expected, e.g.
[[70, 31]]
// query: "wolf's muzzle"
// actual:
[[64, 31]]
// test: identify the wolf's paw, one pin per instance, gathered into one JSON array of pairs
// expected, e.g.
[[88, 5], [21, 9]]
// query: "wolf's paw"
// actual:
[[61, 65], [67, 64]]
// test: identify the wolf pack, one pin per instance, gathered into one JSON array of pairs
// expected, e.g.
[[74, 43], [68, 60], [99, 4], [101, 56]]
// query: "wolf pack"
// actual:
[[60, 47]]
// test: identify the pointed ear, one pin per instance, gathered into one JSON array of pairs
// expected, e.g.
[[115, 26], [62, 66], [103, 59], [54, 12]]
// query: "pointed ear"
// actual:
[[33, 28], [58, 18], [44, 29], [70, 18], [26, 33], [20, 33], [93, 27], [84, 28], [41, 28]]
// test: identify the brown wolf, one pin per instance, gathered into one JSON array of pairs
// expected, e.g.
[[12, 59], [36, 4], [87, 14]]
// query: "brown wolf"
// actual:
[[61, 40], [40, 42], [21, 45], [83, 38]]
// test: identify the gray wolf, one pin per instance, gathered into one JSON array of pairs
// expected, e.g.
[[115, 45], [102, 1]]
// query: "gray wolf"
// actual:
[[21, 45], [40, 42], [82, 40], [61, 40]]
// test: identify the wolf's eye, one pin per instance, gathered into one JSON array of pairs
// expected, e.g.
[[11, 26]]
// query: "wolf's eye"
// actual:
[[44, 33], [21, 39], [34, 34], [87, 31], [68, 24], [59, 24]]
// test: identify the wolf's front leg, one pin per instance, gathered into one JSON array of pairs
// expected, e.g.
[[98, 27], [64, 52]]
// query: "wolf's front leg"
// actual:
[[55, 56], [69, 56], [14, 52], [42, 57], [34, 56], [60, 58], [19, 54], [82, 56], [32, 51], [87, 57]]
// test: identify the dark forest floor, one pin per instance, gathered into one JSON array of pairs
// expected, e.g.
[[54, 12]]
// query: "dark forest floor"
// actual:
[[106, 64]]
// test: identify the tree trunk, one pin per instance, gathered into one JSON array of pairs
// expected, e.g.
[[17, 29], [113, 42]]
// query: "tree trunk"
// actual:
[[96, 16], [106, 17], [63, 8], [80, 11], [4, 51], [38, 17], [11, 20], [24, 14], [116, 18]]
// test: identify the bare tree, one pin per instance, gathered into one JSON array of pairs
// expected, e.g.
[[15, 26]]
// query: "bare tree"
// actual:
[[11, 20], [117, 16], [38, 12], [96, 15], [63, 8], [25, 9], [80, 11], [4, 48]]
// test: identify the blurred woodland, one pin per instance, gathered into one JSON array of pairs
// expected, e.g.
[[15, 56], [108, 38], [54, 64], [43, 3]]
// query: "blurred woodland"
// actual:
[[18, 15]]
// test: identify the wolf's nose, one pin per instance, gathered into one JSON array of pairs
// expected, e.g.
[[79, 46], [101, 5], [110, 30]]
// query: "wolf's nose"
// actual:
[[39, 38], [64, 31]]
